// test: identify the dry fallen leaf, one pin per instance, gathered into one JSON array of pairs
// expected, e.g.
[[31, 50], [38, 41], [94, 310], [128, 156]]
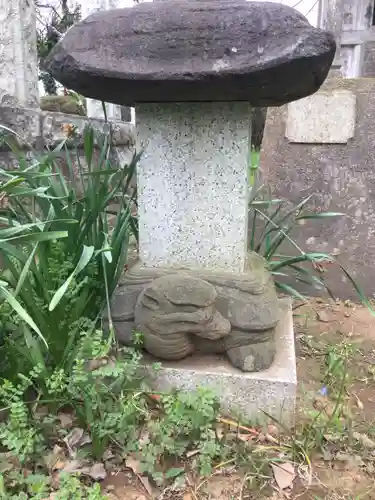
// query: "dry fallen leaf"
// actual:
[[6, 463], [96, 471], [76, 438], [94, 364], [41, 412], [245, 438], [191, 453], [59, 465], [134, 465], [56, 459], [108, 454], [359, 402], [66, 420], [364, 440], [72, 466], [85, 440], [323, 316], [284, 474], [73, 438]]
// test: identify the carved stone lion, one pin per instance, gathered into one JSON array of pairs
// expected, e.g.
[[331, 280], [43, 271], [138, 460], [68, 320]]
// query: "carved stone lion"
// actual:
[[174, 312], [182, 311], [177, 315]]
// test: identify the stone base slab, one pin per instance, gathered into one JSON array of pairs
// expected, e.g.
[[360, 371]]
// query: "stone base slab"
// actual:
[[242, 395]]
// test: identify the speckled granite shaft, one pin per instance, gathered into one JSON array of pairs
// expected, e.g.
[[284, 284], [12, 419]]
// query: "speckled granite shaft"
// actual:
[[192, 182]]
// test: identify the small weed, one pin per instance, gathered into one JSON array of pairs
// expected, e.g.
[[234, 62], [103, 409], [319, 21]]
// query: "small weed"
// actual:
[[37, 487], [337, 358]]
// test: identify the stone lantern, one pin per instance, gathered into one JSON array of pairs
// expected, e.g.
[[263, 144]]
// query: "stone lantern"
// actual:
[[193, 70]]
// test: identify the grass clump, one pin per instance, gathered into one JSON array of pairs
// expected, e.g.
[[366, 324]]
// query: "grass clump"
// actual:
[[64, 248], [273, 224]]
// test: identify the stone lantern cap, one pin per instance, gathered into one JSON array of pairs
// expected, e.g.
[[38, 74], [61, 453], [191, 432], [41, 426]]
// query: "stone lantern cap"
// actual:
[[194, 51]]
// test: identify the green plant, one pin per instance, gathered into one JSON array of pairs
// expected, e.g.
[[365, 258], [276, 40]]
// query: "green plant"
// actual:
[[336, 361], [328, 419], [105, 392], [16, 433], [37, 486], [23, 487], [71, 487], [51, 287], [273, 224], [187, 422], [109, 398]]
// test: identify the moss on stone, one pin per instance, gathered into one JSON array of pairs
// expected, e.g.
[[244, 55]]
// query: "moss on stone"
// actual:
[[62, 104]]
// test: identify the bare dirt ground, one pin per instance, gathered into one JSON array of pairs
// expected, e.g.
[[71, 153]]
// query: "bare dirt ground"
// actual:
[[346, 477]]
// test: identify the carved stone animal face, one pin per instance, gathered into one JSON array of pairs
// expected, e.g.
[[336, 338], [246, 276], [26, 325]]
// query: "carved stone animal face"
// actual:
[[172, 309]]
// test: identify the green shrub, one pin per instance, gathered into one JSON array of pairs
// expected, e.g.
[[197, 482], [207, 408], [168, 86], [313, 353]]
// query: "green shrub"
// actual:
[[108, 398], [68, 253], [273, 222]]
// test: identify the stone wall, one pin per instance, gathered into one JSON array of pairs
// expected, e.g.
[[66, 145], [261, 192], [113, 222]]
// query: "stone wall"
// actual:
[[40, 130], [338, 167]]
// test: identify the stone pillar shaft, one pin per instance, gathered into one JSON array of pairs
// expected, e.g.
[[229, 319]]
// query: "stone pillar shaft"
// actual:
[[193, 184], [18, 54]]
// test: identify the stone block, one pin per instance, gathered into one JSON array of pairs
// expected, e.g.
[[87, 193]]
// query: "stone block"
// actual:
[[37, 129], [323, 118], [243, 394]]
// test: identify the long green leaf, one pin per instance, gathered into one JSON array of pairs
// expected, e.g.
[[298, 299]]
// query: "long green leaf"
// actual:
[[28, 192], [305, 257], [25, 269], [289, 290], [31, 237], [88, 145], [320, 215], [86, 255], [23, 314]]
